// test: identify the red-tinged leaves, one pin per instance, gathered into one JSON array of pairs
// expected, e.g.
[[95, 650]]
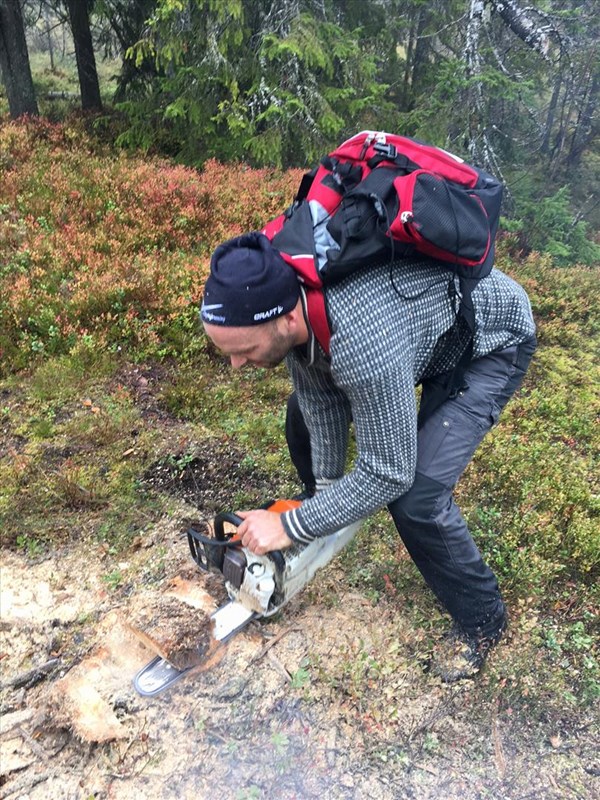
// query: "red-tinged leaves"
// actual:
[[112, 251]]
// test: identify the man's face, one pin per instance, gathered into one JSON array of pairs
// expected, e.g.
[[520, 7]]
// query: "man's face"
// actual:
[[258, 345]]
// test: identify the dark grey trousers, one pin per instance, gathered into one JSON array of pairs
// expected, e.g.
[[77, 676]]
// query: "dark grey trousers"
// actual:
[[427, 517]]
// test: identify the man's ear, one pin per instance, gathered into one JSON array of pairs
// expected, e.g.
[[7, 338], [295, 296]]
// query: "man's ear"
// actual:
[[295, 322]]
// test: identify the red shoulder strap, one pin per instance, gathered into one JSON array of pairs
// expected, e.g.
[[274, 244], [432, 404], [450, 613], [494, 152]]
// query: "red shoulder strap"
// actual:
[[317, 316], [315, 299], [304, 265]]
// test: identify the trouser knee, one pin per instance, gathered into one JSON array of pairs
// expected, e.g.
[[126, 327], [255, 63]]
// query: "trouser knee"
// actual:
[[418, 505]]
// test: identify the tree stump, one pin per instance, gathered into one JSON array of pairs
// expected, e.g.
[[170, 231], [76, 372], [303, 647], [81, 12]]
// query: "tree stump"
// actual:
[[174, 630]]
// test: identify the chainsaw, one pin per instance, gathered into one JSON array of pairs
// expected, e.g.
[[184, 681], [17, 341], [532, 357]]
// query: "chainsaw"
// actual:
[[257, 586]]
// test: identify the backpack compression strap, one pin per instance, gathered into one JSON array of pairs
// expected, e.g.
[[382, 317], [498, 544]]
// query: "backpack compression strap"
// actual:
[[317, 317]]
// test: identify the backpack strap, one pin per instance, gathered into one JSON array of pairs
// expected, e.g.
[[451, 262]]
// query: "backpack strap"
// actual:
[[348, 174], [292, 236], [317, 317], [387, 153], [305, 184]]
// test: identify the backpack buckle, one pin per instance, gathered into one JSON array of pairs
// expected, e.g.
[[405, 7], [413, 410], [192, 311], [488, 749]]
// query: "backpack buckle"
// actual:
[[385, 149]]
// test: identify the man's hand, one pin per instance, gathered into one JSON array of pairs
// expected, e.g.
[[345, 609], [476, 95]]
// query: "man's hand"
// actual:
[[262, 531]]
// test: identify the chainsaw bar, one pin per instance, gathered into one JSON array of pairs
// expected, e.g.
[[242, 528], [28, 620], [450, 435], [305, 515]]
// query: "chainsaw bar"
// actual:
[[159, 674]]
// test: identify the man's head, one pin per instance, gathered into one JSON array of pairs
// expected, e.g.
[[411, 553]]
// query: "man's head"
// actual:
[[251, 307]]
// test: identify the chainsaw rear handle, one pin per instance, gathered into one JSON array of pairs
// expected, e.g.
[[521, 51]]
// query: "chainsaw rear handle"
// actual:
[[219, 522], [276, 556]]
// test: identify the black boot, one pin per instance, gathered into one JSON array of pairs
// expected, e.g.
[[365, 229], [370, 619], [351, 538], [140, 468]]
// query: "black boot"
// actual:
[[461, 655]]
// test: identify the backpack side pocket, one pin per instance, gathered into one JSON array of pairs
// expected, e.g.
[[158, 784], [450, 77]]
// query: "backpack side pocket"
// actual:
[[441, 219]]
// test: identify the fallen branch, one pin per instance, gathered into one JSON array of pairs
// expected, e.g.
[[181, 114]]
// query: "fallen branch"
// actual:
[[56, 95], [499, 757], [14, 720], [35, 747], [270, 644], [279, 667], [31, 677], [26, 783], [427, 768]]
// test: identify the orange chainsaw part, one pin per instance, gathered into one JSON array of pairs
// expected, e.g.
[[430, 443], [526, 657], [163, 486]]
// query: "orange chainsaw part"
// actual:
[[279, 506]]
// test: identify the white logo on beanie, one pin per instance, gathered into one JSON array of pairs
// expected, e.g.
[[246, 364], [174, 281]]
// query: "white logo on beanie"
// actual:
[[268, 314], [208, 316]]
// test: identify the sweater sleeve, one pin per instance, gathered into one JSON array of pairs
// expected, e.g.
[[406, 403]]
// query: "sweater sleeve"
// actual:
[[384, 412]]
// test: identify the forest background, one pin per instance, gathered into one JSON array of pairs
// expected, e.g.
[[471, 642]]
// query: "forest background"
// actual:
[[136, 136], [513, 89]]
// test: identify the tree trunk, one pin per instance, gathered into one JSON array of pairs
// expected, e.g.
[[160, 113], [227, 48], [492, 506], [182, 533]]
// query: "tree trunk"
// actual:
[[407, 70], [422, 50], [14, 61], [128, 28], [49, 35], [84, 53], [585, 128], [474, 92], [520, 23], [551, 114]]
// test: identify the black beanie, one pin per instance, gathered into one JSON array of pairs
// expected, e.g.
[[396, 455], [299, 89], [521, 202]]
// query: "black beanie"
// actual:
[[249, 283]]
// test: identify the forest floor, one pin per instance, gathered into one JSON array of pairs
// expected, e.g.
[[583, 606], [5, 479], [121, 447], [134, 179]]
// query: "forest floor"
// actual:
[[331, 699]]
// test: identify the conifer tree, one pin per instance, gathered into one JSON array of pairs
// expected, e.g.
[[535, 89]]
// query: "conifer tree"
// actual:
[[14, 60]]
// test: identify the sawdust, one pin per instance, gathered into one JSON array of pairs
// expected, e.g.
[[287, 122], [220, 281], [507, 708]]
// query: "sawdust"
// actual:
[[84, 699]]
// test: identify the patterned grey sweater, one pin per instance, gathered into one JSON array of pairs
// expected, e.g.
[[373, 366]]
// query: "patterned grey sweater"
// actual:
[[381, 347]]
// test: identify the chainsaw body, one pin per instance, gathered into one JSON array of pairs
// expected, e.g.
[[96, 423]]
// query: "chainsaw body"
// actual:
[[264, 584], [258, 586]]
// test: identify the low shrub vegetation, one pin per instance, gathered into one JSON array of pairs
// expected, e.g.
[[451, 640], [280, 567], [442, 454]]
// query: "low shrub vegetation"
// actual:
[[108, 250], [102, 262]]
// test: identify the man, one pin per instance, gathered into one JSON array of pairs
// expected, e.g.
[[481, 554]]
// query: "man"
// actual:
[[387, 335]]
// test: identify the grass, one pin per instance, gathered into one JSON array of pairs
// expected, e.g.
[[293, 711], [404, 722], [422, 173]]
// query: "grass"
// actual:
[[57, 89], [103, 260]]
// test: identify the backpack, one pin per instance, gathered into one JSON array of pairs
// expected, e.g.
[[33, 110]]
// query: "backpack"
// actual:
[[381, 197]]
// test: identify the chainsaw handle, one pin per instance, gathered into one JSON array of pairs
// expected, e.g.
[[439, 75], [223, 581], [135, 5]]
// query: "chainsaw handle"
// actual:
[[276, 556], [221, 519], [209, 551]]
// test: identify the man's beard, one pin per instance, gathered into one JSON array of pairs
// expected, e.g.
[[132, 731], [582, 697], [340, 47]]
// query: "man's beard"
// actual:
[[280, 346]]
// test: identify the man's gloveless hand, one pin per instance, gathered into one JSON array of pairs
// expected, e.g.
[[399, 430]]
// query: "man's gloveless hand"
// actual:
[[262, 531]]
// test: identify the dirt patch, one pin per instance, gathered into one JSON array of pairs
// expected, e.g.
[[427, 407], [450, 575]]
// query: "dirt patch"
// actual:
[[207, 476], [143, 382]]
